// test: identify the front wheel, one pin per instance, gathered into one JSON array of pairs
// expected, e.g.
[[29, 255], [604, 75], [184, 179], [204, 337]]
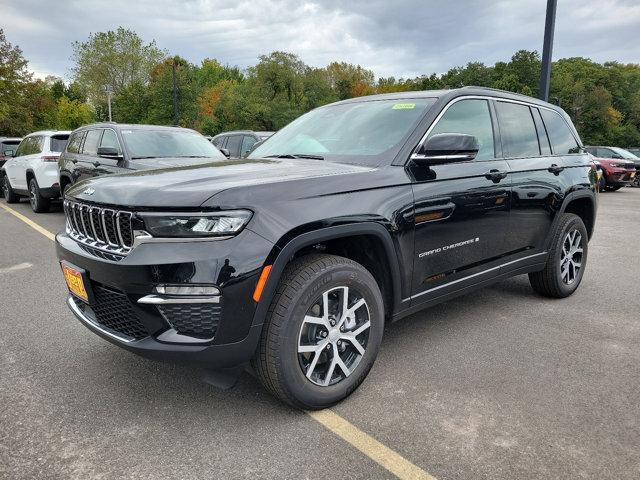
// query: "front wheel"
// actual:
[[322, 332], [39, 204], [567, 259]]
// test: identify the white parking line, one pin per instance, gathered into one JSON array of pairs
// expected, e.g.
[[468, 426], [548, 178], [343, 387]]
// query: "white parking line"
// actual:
[[20, 266], [376, 451]]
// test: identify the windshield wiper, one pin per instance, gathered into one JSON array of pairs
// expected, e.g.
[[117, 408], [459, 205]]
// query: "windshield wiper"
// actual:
[[296, 155]]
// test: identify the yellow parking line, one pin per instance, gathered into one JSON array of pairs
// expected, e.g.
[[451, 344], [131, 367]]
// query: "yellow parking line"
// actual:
[[29, 222], [376, 451]]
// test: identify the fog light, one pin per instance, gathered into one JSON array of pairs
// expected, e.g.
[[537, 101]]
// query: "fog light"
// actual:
[[188, 290]]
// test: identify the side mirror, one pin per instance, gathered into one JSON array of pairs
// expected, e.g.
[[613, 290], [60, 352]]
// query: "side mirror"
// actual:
[[8, 153], [225, 152], [108, 152], [447, 148]]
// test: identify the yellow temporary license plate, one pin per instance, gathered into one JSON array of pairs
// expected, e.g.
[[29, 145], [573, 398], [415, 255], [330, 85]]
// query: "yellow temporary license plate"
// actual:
[[75, 282]]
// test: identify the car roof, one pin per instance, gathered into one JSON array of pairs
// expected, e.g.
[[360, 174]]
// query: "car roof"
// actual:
[[131, 126], [236, 132], [10, 139], [49, 133], [452, 93]]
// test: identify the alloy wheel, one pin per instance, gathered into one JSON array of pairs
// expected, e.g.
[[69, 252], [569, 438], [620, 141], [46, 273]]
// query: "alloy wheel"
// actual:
[[571, 257], [334, 335], [5, 188], [32, 195]]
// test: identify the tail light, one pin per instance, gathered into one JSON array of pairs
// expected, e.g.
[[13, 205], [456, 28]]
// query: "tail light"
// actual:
[[50, 158]]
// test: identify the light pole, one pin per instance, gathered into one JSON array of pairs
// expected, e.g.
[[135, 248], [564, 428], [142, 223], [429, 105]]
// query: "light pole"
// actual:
[[547, 48], [109, 90]]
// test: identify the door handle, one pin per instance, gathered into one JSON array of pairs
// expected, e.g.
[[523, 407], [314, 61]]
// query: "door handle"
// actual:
[[495, 175], [555, 169]]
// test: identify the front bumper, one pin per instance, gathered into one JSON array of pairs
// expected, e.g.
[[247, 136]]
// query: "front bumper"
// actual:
[[123, 311], [620, 178]]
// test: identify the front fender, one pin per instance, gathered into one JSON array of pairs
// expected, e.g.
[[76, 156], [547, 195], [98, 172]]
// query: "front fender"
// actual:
[[282, 255]]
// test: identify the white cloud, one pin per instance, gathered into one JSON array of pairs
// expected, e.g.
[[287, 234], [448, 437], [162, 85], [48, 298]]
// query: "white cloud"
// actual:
[[400, 38]]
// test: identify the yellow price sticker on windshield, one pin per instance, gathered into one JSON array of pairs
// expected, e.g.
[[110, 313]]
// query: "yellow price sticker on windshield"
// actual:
[[404, 106]]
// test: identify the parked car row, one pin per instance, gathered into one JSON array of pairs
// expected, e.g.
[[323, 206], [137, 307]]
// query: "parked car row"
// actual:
[[238, 144], [619, 167], [45, 164]]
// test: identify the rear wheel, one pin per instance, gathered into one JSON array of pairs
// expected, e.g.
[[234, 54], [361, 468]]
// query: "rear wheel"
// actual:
[[567, 259], [9, 194], [39, 204], [322, 332]]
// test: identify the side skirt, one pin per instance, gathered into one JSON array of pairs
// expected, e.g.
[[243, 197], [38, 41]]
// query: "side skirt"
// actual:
[[467, 289]]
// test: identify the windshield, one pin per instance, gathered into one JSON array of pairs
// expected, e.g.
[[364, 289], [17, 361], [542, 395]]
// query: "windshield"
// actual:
[[58, 143], [624, 154], [359, 132], [147, 143]]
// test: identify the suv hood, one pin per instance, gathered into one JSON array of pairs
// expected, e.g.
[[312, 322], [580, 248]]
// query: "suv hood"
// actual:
[[192, 185], [167, 162]]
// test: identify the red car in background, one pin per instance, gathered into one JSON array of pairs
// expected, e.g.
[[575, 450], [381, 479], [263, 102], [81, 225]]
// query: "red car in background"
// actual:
[[618, 166]]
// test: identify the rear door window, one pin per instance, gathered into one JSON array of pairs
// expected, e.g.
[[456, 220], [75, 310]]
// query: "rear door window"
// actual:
[[545, 146], [91, 142], [518, 130], [562, 140]]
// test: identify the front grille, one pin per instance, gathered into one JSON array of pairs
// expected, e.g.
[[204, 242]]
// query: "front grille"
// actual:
[[113, 311], [101, 228], [198, 320]]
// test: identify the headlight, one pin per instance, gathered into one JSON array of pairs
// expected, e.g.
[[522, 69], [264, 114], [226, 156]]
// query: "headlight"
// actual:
[[218, 224]]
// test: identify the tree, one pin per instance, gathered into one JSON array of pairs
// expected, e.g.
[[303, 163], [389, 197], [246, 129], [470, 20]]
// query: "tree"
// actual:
[[117, 59], [14, 79], [71, 114]]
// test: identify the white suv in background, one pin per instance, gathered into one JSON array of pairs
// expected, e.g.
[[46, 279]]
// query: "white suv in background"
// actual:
[[33, 171]]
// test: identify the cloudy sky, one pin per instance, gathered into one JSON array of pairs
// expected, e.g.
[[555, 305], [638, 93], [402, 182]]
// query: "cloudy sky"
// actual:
[[392, 37]]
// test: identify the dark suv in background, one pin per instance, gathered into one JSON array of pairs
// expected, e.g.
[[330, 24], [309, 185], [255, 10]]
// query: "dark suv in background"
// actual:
[[8, 147], [104, 148], [356, 214], [238, 144]]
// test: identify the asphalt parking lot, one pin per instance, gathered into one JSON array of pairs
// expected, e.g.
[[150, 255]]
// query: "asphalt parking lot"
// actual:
[[498, 384]]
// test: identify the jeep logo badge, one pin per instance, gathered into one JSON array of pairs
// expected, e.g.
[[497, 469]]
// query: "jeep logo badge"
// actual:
[[89, 191]]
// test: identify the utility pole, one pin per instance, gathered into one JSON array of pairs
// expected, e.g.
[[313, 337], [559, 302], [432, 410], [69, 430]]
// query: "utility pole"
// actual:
[[109, 90], [547, 48], [175, 95]]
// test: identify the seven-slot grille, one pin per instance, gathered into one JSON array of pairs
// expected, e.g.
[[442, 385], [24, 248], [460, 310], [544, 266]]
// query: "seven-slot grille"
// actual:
[[101, 228]]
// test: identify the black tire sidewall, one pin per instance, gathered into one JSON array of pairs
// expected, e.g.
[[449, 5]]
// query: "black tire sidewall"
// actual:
[[39, 203], [293, 380], [574, 223]]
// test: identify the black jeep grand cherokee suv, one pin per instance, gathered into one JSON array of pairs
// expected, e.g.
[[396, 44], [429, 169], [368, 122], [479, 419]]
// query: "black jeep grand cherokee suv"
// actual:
[[357, 213]]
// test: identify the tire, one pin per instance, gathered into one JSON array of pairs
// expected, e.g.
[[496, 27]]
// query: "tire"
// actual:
[[9, 195], [555, 281], [39, 204], [65, 187], [306, 286], [610, 188]]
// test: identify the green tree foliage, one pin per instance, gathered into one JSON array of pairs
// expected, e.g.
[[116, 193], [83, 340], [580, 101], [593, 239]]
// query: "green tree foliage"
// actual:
[[27, 105], [14, 82], [603, 99], [115, 58]]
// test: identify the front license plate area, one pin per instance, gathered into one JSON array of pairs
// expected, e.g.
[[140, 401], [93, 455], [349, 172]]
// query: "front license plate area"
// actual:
[[77, 282]]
